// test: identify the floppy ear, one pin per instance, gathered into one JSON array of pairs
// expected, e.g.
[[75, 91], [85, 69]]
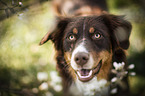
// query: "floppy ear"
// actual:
[[45, 38], [56, 34], [120, 30]]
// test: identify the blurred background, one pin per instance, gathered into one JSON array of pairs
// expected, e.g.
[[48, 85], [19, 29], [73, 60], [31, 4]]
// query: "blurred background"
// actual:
[[27, 69]]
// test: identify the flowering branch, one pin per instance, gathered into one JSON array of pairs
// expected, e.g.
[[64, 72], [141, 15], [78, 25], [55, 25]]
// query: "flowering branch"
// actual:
[[120, 73], [8, 9]]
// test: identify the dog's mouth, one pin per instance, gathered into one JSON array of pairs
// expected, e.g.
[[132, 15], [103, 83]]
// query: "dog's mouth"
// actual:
[[85, 75]]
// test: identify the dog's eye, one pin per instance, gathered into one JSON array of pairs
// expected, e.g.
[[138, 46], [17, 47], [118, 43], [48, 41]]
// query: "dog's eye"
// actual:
[[71, 38], [97, 36]]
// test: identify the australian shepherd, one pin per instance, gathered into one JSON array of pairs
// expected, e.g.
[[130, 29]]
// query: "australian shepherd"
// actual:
[[87, 41]]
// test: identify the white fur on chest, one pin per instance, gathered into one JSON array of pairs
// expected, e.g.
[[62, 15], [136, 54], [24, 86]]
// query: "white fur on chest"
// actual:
[[92, 88]]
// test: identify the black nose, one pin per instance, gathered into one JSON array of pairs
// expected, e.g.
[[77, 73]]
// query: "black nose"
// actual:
[[81, 58]]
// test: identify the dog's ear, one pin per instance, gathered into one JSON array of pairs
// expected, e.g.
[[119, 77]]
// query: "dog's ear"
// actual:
[[120, 30], [45, 38], [57, 32]]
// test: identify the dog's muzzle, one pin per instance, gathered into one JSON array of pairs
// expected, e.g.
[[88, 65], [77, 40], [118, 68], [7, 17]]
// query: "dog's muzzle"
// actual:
[[84, 75]]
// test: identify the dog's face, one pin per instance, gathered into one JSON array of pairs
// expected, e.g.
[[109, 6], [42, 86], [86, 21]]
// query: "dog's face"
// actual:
[[88, 43], [87, 46]]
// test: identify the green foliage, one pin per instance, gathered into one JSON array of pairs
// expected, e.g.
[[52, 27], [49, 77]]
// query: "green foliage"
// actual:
[[21, 57], [116, 4]]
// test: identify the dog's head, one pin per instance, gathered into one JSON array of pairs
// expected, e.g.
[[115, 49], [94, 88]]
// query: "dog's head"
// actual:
[[88, 43]]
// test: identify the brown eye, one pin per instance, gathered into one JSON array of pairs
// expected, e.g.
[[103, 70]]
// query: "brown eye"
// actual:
[[71, 38], [97, 36]]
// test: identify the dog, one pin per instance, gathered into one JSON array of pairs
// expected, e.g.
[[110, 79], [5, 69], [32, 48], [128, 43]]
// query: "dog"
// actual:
[[87, 40]]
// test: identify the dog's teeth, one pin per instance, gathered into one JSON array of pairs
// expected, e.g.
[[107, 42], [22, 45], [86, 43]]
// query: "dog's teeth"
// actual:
[[90, 73]]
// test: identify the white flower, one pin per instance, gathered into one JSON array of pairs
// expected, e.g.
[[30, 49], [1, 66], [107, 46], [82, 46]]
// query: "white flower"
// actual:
[[20, 3], [55, 81], [114, 91], [54, 77], [48, 94], [35, 90], [44, 86], [114, 71], [132, 73], [126, 72], [131, 66], [42, 76], [114, 79], [57, 88], [118, 66]]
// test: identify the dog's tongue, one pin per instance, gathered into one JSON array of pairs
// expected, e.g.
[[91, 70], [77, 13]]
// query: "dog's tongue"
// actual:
[[84, 72]]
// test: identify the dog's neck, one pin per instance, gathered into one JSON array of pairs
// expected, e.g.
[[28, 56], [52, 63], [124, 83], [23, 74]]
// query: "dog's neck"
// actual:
[[94, 87]]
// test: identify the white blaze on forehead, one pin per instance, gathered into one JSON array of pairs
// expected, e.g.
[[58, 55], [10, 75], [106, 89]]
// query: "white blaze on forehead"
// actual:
[[80, 48]]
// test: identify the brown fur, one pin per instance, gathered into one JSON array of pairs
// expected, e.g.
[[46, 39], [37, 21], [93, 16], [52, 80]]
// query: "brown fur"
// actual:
[[75, 31], [106, 65], [75, 8], [91, 30]]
